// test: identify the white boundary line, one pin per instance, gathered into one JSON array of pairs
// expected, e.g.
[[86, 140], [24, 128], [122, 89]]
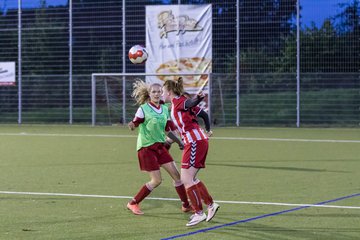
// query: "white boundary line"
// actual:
[[216, 138], [67, 135], [172, 199], [288, 140]]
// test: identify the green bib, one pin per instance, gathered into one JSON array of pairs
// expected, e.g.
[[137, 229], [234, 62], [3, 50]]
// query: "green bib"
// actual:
[[152, 130]]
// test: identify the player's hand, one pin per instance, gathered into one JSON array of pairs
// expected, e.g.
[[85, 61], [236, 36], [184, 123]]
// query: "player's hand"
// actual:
[[167, 145], [200, 95], [209, 133], [131, 126]]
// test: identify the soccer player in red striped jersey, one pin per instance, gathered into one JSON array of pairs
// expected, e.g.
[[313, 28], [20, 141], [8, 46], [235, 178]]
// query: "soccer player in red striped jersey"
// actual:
[[183, 114], [153, 120]]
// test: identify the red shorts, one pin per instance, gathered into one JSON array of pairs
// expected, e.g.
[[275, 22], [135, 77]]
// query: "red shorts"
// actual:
[[152, 157], [194, 154]]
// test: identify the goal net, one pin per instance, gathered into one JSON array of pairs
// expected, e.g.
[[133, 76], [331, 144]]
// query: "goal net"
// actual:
[[111, 93]]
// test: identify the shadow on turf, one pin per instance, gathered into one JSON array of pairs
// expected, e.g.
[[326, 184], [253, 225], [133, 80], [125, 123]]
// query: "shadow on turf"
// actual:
[[81, 164], [251, 231], [275, 168], [303, 160]]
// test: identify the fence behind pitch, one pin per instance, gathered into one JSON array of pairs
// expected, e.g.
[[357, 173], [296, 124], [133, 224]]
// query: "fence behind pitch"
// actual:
[[56, 69]]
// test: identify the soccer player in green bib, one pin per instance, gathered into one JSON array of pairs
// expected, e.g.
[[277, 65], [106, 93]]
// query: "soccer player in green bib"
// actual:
[[153, 120]]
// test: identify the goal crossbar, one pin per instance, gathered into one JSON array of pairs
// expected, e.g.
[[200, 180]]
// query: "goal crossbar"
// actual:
[[94, 77]]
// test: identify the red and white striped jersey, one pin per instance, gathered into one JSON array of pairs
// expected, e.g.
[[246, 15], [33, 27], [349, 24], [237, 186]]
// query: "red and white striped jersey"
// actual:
[[185, 121]]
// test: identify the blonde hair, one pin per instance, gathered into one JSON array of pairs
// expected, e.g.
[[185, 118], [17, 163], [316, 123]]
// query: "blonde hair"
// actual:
[[140, 92], [176, 86]]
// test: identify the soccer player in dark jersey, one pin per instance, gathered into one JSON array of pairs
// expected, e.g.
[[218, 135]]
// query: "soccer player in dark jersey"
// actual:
[[153, 120], [195, 150]]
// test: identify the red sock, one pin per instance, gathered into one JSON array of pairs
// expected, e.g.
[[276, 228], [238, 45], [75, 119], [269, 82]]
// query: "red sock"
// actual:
[[195, 198], [143, 193], [182, 195], [205, 196]]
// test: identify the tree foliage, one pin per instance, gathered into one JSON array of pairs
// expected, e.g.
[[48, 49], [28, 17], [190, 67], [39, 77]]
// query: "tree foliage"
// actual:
[[267, 39], [333, 47]]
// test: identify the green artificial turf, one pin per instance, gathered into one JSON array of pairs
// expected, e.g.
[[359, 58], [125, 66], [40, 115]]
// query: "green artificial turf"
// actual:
[[246, 168]]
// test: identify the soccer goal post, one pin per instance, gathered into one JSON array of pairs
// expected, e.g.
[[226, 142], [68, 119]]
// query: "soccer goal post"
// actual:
[[111, 101]]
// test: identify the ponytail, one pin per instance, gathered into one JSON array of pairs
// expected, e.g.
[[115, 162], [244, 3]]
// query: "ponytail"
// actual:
[[176, 86]]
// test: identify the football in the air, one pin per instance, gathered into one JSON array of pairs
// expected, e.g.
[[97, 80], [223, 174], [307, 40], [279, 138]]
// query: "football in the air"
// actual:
[[138, 54]]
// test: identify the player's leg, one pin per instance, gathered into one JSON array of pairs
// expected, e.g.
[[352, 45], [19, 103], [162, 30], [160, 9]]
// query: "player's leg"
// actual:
[[145, 190], [193, 159], [207, 198], [147, 162], [195, 156], [187, 176], [212, 207], [171, 168], [201, 150]]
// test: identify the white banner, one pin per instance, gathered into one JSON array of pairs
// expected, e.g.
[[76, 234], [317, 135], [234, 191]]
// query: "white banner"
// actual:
[[7, 73], [179, 40]]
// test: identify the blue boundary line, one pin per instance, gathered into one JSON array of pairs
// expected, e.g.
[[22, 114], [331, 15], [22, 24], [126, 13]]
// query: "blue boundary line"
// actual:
[[260, 217]]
